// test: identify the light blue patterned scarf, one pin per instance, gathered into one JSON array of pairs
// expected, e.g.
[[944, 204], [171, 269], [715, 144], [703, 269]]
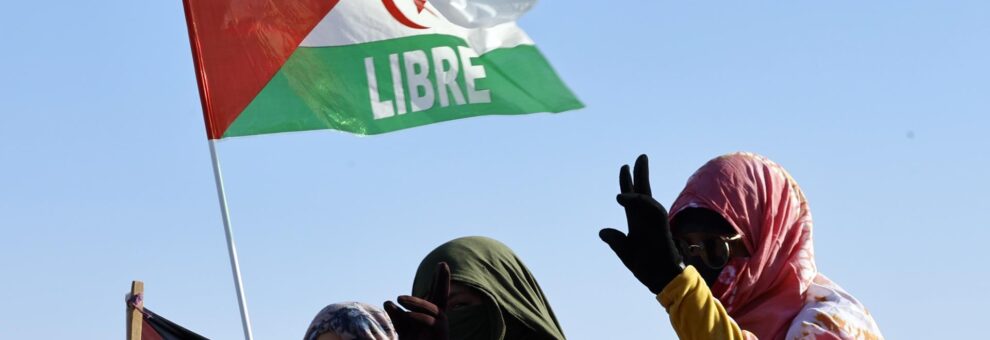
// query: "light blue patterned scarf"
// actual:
[[352, 321]]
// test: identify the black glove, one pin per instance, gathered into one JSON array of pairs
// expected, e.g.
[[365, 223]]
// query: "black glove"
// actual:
[[648, 251], [426, 318]]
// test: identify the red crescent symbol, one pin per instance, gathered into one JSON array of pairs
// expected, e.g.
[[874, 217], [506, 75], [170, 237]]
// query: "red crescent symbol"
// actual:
[[397, 14]]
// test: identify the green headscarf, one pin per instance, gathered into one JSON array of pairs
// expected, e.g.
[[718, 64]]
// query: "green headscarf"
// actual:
[[517, 308]]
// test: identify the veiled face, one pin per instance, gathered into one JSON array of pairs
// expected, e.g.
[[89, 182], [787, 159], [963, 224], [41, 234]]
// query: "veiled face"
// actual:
[[706, 241], [463, 296]]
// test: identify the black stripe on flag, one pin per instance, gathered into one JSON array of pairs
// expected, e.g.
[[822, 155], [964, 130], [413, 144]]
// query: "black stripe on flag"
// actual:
[[169, 330]]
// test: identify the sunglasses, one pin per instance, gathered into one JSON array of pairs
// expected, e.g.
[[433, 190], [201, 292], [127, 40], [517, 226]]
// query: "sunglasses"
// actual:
[[714, 252]]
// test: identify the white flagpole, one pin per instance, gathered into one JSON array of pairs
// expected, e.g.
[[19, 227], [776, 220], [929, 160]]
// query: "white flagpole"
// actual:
[[232, 250]]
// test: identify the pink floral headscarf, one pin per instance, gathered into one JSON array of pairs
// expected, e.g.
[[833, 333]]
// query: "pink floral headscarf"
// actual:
[[766, 292]]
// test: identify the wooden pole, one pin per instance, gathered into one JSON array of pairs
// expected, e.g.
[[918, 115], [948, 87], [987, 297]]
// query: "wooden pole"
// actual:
[[134, 316]]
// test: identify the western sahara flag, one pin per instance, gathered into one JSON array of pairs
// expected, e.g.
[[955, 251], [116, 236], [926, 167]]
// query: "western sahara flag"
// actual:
[[361, 66], [155, 327]]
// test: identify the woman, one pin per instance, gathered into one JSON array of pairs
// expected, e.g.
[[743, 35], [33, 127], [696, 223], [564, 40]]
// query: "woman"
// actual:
[[735, 259], [350, 321], [474, 288]]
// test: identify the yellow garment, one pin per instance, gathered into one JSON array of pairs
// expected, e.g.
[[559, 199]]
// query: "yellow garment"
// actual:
[[694, 312]]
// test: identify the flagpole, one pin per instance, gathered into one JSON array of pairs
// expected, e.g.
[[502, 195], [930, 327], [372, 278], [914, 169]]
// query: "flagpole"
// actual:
[[231, 249], [212, 136]]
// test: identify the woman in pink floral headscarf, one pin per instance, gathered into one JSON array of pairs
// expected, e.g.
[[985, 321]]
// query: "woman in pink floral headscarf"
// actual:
[[735, 259]]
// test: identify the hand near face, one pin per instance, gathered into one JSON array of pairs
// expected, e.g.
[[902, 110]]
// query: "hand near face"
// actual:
[[648, 250], [426, 319]]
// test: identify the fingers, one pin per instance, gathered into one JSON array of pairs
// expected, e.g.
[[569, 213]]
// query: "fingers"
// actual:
[[396, 314], [642, 211], [393, 310], [406, 321], [641, 176], [637, 201], [415, 304], [441, 286], [615, 239], [422, 319], [630, 199], [639, 181], [625, 180], [390, 307], [640, 201]]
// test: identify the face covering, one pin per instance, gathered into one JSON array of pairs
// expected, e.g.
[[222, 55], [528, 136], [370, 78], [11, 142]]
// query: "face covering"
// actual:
[[473, 323], [516, 306]]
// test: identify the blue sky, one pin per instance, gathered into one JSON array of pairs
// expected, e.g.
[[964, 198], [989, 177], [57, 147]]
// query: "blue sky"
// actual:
[[880, 111]]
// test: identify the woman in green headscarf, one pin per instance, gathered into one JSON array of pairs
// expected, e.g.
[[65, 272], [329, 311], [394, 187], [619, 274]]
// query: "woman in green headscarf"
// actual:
[[474, 288]]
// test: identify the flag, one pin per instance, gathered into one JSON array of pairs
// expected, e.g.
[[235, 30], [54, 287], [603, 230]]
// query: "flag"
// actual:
[[155, 327], [482, 13], [360, 66]]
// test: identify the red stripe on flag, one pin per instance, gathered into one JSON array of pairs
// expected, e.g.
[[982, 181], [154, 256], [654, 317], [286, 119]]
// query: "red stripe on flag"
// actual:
[[239, 45], [148, 331]]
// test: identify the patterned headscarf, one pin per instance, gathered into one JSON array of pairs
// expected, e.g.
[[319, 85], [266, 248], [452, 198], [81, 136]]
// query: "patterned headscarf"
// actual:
[[765, 292], [352, 321]]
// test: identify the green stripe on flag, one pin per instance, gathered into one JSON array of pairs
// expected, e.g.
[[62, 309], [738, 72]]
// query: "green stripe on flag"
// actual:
[[328, 87]]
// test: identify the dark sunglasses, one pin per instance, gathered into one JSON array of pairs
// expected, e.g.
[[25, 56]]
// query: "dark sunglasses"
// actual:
[[715, 252]]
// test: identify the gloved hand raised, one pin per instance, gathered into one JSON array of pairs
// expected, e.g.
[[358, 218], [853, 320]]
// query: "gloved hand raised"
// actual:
[[426, 318], [648, 250]]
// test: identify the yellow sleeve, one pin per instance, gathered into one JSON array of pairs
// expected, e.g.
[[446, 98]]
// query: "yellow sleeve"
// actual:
[[694, 312]]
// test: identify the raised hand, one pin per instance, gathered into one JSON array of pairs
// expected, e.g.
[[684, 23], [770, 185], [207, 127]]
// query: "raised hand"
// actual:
[[426, 319], [648, 250]]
